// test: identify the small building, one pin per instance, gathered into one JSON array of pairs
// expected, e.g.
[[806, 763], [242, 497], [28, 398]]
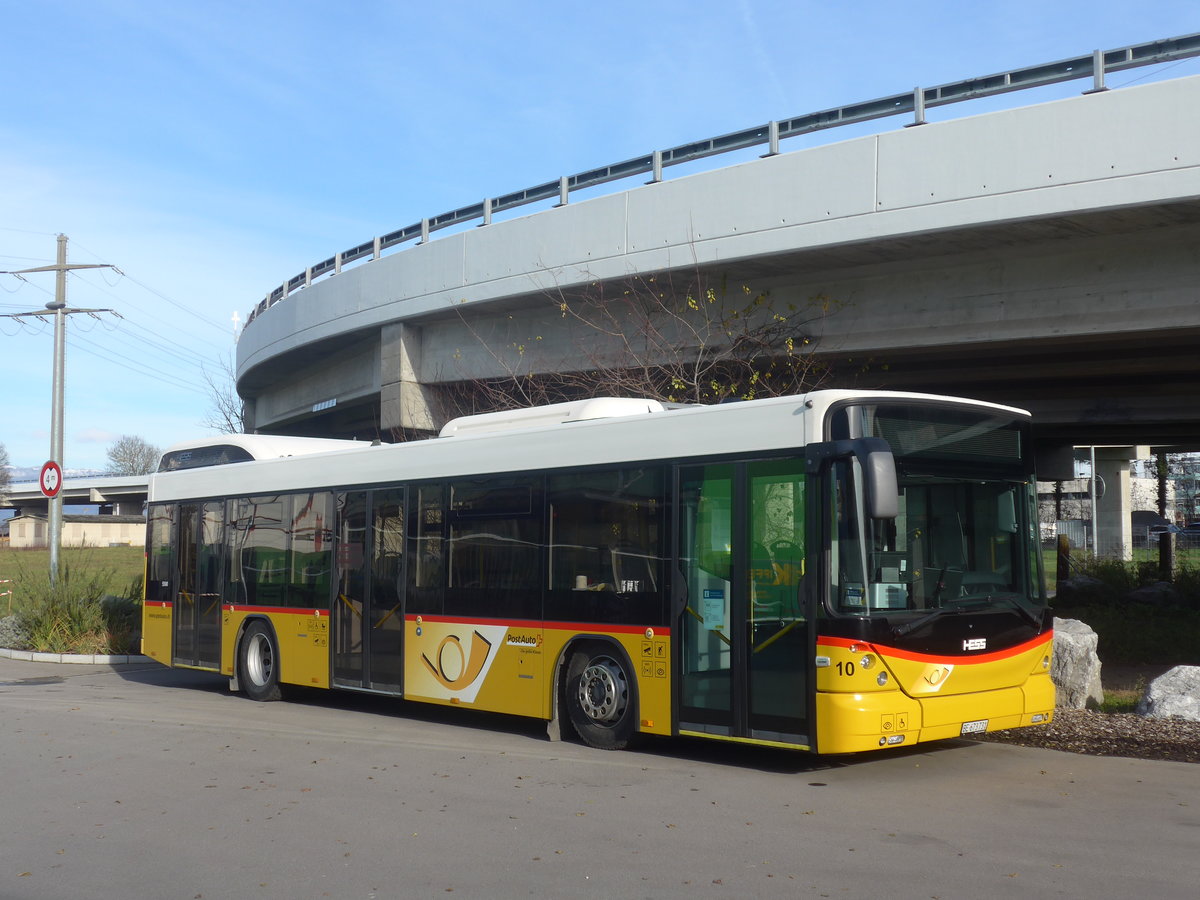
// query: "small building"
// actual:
[[26, 531]]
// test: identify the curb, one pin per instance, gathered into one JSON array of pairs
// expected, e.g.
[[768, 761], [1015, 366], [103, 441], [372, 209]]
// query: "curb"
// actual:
[[93, 659]]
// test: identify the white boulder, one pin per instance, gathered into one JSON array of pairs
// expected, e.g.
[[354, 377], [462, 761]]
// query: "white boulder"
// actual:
[[1075, 666], [1174, 693]]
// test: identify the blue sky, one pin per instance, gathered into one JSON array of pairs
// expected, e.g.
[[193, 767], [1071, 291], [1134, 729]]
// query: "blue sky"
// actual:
[[210, 150]]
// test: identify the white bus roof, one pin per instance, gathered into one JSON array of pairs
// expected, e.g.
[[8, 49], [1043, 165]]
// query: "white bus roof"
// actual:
[[553, 414], [694, 432], [266, 446]]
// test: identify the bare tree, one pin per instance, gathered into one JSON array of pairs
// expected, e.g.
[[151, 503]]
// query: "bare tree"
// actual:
[[693, 339], [5, 475], [131, 455], [226, 413]]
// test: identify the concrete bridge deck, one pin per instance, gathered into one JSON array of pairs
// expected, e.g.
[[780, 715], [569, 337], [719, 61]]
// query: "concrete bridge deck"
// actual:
[[1045, 257]]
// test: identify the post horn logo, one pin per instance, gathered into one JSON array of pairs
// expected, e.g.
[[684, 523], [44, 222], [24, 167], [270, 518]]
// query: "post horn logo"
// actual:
[[456, 668]]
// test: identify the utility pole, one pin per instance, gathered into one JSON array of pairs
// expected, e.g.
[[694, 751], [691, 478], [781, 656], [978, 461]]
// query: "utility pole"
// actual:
[[58, 309]]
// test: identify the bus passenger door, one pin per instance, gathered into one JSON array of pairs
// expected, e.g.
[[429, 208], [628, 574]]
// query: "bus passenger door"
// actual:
[[201, 557], [368, 615], [745, 645]]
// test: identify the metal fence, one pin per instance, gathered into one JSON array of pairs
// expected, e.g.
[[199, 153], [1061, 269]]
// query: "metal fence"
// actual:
[[1079, 535], [1095, 65]]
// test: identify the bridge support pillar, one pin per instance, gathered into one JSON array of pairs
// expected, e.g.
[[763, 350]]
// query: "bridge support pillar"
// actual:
[[1114, 531], [404, 402]]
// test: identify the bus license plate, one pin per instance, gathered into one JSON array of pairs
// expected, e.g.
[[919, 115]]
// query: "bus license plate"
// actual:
[[977, 727]]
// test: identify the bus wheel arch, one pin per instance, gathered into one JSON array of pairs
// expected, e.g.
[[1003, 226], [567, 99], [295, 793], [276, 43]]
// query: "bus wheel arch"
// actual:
[[257, 661], [599, 693]]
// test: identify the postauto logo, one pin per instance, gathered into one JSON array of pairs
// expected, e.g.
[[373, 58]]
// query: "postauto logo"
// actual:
[[454, 667]]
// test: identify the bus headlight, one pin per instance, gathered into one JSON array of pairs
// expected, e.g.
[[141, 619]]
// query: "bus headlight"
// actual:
[[881, 679], [867, 661]]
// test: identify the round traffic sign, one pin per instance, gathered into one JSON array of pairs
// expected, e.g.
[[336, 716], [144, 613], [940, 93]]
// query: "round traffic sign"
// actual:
[[51, 479]]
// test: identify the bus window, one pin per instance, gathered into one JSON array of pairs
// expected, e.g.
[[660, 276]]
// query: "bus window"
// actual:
[[311, 556], [848, 575], [494, 549], [259, 536], [605, 554], [159, 557], [282, 551], [776, 564], [427, 549]]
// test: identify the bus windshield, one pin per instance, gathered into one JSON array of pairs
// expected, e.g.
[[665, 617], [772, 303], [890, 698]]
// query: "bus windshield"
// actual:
[[965, 536]]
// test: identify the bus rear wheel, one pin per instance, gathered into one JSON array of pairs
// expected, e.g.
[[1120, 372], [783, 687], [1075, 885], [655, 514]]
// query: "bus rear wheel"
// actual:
[[258, 663], [601, 699]]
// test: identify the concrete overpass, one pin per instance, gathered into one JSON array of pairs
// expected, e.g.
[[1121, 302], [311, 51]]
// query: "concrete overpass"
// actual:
[[116, 494], [1046, 257]]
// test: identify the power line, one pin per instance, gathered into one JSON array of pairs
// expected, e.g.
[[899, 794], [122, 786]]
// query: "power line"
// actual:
[[124, 299], [175, 352], [180, 306], [146, 343], [175, 303], [163, 329], [164, 374], [93, 349]]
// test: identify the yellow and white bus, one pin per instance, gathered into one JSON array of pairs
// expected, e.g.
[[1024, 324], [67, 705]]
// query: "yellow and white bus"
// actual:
[[835, 572]]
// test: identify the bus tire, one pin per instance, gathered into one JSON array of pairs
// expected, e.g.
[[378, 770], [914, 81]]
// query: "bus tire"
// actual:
[[601, 698], [258, 663]]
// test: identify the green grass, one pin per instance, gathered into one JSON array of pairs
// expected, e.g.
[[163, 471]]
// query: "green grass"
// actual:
[[1121, 701], [85, 611], [27, 568]]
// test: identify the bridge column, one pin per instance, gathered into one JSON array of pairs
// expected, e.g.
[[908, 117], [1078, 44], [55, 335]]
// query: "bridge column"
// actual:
[[403, 401], [1114, 531], [248, 422]]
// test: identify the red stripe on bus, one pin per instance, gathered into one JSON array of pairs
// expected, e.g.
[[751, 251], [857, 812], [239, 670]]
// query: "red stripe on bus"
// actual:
[[659, 630], [885, 650], [165, 604], [275, 609]]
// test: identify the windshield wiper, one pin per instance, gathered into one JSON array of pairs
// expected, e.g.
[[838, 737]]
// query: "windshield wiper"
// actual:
[[910, 627], [959, 606]]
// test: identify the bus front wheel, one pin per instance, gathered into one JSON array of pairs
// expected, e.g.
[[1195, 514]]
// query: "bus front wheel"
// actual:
[[259, 663], [601, 699]]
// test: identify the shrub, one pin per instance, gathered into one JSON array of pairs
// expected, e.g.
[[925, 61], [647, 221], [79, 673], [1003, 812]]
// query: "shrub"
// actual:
[[76, 614], [123, 618], [1137, 634], [1187, 584], [1135, 627], [1104, 581]]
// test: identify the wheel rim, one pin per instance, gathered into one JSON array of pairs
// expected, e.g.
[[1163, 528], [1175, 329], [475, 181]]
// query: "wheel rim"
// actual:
[[259, 661], [603, 691]]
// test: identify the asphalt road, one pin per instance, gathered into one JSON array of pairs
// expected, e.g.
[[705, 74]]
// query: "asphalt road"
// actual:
[[146, 782]]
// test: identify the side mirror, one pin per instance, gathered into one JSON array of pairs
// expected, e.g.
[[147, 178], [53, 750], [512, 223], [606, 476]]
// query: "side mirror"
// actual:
[[1006, 513], [883, 493], [882, 500]]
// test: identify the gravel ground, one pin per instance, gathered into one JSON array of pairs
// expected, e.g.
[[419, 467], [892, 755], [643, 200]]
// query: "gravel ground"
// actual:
[[1113, 734], [1105, 734]]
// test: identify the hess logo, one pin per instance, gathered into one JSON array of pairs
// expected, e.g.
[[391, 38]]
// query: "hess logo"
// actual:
[[975, 644], [454, 667]]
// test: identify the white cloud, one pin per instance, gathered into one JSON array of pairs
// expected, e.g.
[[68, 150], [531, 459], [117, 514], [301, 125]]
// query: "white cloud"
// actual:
[[95, 436]]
